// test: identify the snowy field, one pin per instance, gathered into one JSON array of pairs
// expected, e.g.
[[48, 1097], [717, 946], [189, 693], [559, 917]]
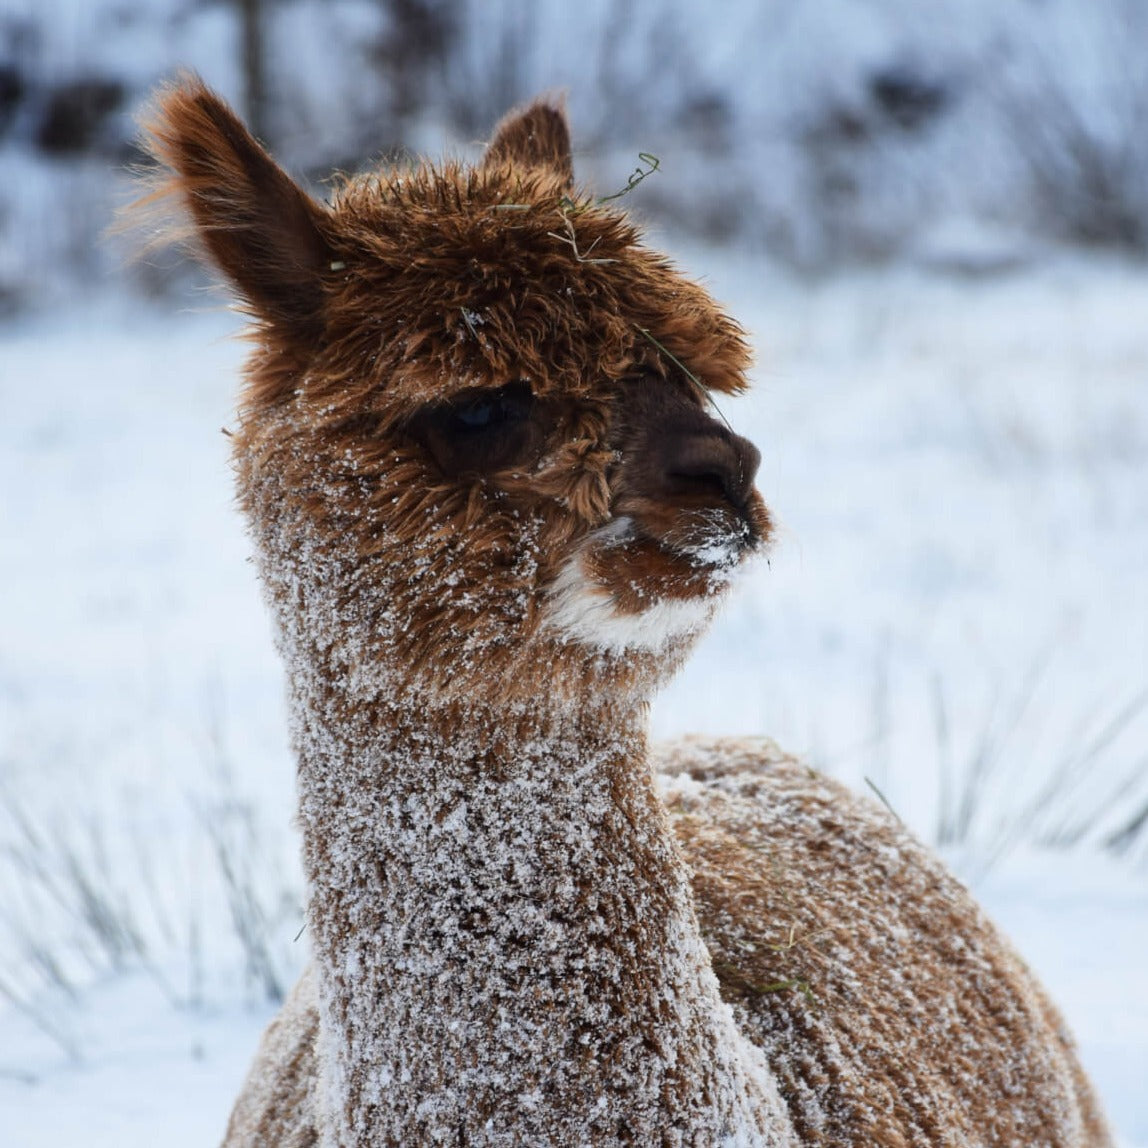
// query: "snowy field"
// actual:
[[955, 613]]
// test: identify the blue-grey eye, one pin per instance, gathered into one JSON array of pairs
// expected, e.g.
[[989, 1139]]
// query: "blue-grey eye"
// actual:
[[493, 409], [480, 413]]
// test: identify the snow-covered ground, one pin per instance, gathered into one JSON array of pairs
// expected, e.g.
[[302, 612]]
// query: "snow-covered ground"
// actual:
[[956, 611]]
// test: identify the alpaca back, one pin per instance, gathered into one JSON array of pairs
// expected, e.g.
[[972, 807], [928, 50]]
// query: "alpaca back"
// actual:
[[890, 1009]]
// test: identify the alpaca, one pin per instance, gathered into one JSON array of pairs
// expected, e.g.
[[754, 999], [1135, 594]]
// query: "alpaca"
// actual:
[[492, 513]]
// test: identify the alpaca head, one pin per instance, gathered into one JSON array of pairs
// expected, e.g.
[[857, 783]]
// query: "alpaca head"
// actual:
[[474, 440]]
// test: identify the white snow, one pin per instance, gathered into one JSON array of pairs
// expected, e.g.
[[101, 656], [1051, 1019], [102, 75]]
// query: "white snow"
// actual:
[[960, 471]]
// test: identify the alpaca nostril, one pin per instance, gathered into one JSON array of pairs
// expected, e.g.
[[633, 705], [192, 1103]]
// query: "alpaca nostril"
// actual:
[[722, 466], [709, 482]]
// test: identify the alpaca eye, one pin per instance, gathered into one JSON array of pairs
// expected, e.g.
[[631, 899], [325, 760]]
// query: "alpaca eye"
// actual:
[[489, 411], [477, 414], [484, 431]]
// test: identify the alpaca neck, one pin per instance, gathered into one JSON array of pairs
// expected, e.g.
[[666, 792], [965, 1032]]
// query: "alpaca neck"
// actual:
[[505, 937]]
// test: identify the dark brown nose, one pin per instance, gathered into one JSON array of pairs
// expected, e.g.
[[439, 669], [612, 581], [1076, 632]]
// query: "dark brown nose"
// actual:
[[672, 449], [709, 459]]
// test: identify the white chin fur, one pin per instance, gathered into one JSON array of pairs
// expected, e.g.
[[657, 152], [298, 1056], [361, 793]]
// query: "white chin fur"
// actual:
[[583, 611]]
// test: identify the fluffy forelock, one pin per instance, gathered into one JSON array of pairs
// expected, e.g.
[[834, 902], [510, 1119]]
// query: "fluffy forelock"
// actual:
[[447, 279]]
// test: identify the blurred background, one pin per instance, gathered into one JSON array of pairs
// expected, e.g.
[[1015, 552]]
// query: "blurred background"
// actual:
[[818, 134], [932, 220]]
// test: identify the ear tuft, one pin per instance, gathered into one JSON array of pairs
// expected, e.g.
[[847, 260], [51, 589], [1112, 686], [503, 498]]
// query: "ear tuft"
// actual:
[[255, 224], [535, 137]]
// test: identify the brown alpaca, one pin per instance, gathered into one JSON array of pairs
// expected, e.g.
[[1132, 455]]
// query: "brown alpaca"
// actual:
[[492, 514]]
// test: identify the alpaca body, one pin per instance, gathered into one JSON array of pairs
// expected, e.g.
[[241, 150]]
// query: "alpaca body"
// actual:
[[492, 512], [865, 983]]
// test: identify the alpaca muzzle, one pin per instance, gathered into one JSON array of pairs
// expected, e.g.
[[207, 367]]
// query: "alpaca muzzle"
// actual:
[[687, 480], [709, 463]]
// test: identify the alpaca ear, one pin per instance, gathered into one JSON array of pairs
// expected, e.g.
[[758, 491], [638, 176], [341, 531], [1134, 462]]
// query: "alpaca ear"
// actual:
[[261, 229], [537, 137]]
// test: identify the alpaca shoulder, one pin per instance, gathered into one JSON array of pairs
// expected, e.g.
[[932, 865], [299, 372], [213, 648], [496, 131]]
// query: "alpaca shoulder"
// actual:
[[883, 997], [278, 1103]]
